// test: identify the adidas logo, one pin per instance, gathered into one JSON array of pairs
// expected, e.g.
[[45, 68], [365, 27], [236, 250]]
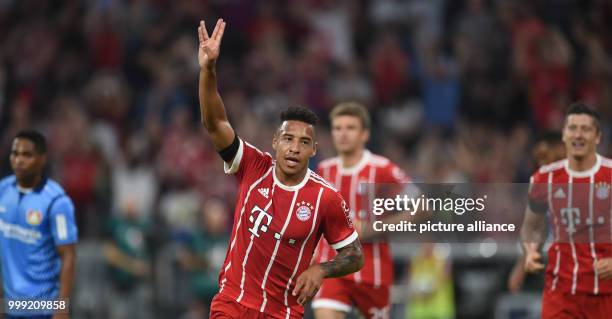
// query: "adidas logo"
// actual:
[[559, 193], [264, 192]]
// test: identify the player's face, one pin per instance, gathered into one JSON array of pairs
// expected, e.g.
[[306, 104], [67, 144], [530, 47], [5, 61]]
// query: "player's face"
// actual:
[[294, 144], [546, 153], [348, 133], [580, 135], [26, 162]]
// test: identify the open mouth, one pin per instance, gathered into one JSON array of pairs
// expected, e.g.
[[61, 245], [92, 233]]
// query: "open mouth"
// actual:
[[292, 161], [578, 145]]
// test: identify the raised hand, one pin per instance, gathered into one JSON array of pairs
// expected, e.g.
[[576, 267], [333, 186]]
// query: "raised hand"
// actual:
[[209, 47]]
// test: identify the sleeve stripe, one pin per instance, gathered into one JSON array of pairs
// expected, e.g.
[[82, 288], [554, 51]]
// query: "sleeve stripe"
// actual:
[[53, 202], [232, 168], [61, 227], [345, 242], [330, 304]]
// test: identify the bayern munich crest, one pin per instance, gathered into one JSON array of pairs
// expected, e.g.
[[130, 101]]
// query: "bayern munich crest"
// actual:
[[602, 190], [304, 211]]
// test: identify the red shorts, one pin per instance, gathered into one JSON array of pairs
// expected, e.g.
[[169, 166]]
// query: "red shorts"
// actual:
[[340, 294], [223, 307], [564, 305]]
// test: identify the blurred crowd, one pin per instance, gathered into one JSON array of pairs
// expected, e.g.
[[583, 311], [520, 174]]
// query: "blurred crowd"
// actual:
[[458, 91]]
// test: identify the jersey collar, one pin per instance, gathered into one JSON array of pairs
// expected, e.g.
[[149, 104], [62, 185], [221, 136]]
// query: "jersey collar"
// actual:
[[365, 158], [294, 187], [583, 174], [38, 187]]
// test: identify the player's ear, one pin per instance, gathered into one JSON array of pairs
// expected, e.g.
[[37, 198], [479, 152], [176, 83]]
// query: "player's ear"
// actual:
[[366, 135], [43, 160], [314, 149], [275, 141]]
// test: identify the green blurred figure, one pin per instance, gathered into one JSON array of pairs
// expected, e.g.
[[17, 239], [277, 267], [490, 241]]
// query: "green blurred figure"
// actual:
[[203, 256], [431, 285], [128, 255]]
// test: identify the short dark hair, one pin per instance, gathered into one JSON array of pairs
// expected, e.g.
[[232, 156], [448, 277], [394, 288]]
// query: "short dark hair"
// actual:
[[352, 109], [39, 141], [550, 138], [582, 108], [299, 113]]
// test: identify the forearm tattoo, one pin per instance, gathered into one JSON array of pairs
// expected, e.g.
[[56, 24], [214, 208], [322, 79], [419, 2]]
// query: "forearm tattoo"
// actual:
[[348, 260]]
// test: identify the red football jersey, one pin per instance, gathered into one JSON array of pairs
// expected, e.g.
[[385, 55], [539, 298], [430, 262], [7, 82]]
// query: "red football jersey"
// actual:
[[276, 229], [579, 206], [378, 266]]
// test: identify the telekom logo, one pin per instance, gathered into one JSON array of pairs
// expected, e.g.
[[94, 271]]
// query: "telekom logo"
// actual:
[[257, 218], [570, 216]]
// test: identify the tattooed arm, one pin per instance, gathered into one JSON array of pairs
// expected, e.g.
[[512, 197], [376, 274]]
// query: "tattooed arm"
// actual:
[[348, 260]]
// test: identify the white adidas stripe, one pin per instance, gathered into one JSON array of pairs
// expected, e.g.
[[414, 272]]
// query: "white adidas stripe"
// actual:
[[235, 234], [273, 257]]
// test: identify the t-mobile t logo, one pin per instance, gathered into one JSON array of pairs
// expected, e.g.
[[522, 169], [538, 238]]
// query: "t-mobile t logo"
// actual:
[[570, 216], [257, 218]]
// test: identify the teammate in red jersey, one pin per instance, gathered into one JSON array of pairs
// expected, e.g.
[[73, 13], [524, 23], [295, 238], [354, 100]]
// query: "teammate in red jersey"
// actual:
[[353, 172], [281, 212], [576, 193]]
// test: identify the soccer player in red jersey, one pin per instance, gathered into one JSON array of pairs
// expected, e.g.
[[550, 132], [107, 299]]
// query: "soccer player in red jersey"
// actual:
[[282, 210], [576, 193], [354, 172]]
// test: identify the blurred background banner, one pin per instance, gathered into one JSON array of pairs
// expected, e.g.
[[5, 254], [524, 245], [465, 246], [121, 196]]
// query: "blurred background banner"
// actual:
[[459, 92]]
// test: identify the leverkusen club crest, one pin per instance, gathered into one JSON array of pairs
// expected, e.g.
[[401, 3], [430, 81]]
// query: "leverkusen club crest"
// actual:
[[34, 217]]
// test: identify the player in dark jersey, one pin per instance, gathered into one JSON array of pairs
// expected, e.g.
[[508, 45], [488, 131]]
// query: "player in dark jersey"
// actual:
[[548, 149], [575, 192], [282, 210]]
